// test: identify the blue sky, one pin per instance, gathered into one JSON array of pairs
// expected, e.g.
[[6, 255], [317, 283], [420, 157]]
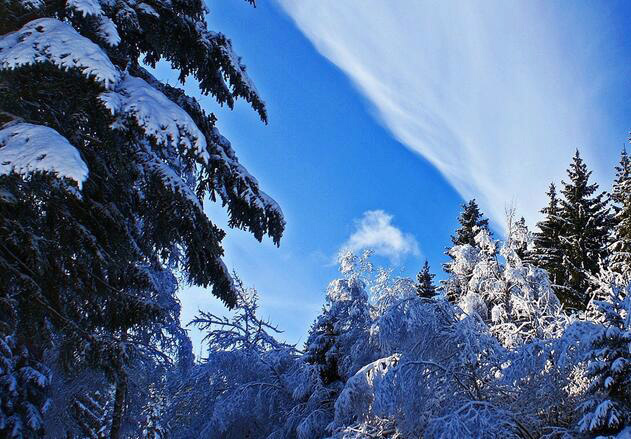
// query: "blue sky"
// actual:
[[383, 118]]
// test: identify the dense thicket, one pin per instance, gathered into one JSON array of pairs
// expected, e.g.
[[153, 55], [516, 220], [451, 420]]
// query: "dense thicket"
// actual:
[[104, 171]]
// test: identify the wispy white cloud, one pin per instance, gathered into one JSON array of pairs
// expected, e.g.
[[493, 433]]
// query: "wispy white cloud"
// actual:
[[495, 94], [375, 231]]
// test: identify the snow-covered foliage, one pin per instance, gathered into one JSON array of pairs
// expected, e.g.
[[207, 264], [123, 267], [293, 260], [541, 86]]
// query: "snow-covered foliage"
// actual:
[[23, 382], [90, 339], [243, 388], [48, 40], [104, 172], [514, 297], [26, 148], [380, 361], [163, 121], [607, 411], [106, 28]]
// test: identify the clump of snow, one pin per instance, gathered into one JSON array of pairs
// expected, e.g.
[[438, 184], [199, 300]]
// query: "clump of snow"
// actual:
[[86, 7], [26, 148], [107, 29], [32, 4], [157, 115], [356, 401], [148, 9], [50, 40]]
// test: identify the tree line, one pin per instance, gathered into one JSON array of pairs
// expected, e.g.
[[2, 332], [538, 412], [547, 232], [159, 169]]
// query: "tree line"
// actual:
[[582, 232]]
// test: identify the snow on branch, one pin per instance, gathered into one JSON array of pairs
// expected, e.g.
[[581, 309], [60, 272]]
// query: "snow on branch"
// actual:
[[161, 119], [106, 29], [50, 40], [26, 148], [244, 330]]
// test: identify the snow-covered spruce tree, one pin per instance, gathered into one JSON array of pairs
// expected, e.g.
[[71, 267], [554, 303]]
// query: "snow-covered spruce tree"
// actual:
[[471, 222], [620, 247], [338, 341], [521, 237], [585, 223], [103, 175], [425, 282], [607, 411], [547, 252], [335, 338]]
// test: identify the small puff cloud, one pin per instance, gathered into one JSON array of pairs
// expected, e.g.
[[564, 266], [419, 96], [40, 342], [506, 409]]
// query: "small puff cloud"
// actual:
[[375, 231]]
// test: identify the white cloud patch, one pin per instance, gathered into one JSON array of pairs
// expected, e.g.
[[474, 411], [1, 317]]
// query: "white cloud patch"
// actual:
[[497, 95], [375, 231]]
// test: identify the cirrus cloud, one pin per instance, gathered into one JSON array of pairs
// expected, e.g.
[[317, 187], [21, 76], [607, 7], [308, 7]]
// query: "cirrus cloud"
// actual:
[[496, 95]]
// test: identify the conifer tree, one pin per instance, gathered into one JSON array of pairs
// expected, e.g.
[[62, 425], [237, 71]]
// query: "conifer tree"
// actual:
[[585, 222], [471, 222], [547, 253], [620, 247], [607, 409], [103, 174], [425, 287]]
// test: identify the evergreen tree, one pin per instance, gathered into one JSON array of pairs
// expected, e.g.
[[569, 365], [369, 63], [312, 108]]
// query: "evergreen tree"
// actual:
[[620, 247], [103, 174], [425, 287], [547, 253], [607, 409], [471, 223], [585, 222]]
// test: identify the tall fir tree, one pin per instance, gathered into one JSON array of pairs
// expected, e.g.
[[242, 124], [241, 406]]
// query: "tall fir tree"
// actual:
[[585, 224], [103, 174], [620, 247], [547, 252], [471, 222], [425, 287]]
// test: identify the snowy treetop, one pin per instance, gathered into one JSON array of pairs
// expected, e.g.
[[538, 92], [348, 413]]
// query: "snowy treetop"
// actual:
[[50, 40], [25, 148]]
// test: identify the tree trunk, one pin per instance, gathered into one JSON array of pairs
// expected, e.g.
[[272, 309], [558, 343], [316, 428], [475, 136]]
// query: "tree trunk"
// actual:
[[119, 405]]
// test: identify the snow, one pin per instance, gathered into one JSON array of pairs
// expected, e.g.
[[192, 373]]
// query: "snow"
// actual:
[[107, 29], [157, 115], [147, 9], [26, 148], [86, 7], [50, 40]]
